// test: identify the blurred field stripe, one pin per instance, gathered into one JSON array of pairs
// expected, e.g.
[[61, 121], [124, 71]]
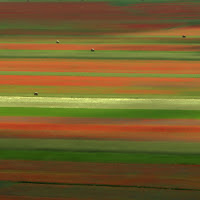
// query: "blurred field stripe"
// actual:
[[100, 146], [110, 47], [13, 197], [28, 191], [101, 157], [118, 55], [74, 104], [34, 73], [101, 113]]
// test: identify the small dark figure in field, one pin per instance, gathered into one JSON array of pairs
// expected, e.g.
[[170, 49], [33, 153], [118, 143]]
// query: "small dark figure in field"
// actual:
[[183, 36], [57, 42], [92, 50], [36, 93]]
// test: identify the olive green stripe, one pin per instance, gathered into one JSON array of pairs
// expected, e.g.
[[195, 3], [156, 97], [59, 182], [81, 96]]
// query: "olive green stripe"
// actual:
[[100, 146], [34, 73], [84, 54]]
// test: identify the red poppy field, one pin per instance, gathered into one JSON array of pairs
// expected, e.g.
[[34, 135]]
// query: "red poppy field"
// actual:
[[125, 66], [108, 129]]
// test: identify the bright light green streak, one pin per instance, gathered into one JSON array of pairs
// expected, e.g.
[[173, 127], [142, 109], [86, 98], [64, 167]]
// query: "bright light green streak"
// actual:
[[101, 103], [83, 54], [30, 73], [100, 146]]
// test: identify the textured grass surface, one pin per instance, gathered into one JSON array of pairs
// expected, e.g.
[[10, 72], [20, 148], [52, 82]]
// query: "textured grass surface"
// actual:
[[100, 157], [113, 39], [25, 191], [101, 113], [100, 146], [82, 74], [100, 174], [81, 54]]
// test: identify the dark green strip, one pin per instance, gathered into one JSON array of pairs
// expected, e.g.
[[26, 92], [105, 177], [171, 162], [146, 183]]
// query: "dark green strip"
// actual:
[[31, 73], [100, 157], [5, 184], [105, 113]]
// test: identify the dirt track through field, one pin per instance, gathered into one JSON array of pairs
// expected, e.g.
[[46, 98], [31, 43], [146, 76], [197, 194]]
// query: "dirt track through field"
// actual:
[[118, 103]]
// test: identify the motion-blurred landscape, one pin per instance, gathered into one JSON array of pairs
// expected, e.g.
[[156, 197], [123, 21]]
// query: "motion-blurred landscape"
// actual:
[[119, 122]]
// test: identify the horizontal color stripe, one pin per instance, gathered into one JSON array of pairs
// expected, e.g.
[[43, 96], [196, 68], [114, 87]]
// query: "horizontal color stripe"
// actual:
[[102, 113], [114, 103], [101, 132], [81, 54], [39, 191], [33, 73], [100, 157], [127, 47], [114, 67], [112, 82], [100, 146]]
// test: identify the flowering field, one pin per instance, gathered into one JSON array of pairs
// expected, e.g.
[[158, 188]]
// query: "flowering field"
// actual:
[[122, 122]]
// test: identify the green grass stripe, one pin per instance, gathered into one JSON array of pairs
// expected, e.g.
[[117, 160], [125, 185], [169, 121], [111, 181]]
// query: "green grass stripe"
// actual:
[[83, 54], [33, 73], [102, 113], [100, 146], [99, 39], [100, 157]]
